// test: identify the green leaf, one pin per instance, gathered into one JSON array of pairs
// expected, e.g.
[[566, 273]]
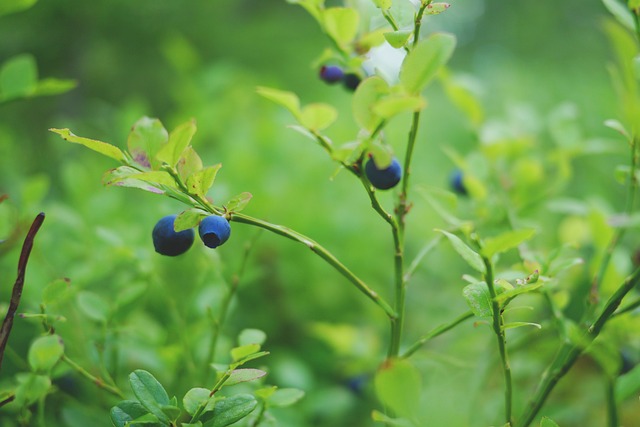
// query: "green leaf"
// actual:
[[147, 137], [196, 424], [463, 97], [244, 375], [189, 163], [126, 411], [318, 116], [423, 63], [506, 241], [51, 86], [548, 422], [621, 12], [189, 219], [239, 202], [93, 306], [171, 411], [95, 145], [252, 336], [383, 4], [382, 154], [628, 385], [149, 392], [18, 77], [55, 291], [45, 352], [122, 177], [201, 181], [436, 8], [368, 93], [341, 24], [283, 397], [197, 397], [12, 6], [393, 422], [243, 351], [513, 325], [633, 4], [230, 410], [479, 299], [398, 38], [394, 105], [398, 386], [179, 140], [469, 255], [618, 127], [512, 293], [288, 100], [31, 387]]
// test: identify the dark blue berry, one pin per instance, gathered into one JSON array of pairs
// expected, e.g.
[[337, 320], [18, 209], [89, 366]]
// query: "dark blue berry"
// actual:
[[626, 362], [214, 231], [457, 183], [351, 81], [331, 74], [383, 179], [167, 241]]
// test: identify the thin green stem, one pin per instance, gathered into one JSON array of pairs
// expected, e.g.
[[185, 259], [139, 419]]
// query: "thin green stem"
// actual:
[[627, 308], [498, 328], [97, 381], [322, 253], [569, 353], [612, 407], [418, 259], [418, 23], [435, 332]]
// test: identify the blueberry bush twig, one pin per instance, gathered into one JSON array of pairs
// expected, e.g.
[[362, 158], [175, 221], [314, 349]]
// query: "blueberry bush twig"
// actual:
[[113, 389], [16, 294]]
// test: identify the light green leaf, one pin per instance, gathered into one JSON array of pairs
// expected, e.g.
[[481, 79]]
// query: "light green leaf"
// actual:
[[548, 422], [197, 397], [436, 8], [382, 154], [126, 411], [12, 6], [95, 145], [393, 422], [149, 392], [243, 351], [512, 293], [252, 336], [394, 105], [469, 255], [51, 86], [244, 375], [55, 291], [479, 299], [31, 387], [369, 91], [93, 306], [618, 127], [122, 177], [201, 181], [45, 352], [18, 77], [423, 63], [633, 4], [383, 4], [239, 202], [628, 385], [283, 397], [288, 100], [621, 12], [317, 117], [189, 219], [398, 386], [230, 410], [398, 38], [341, 24], [147, 137], [513, 325], [189, 163], [506, 241], [179, 140]]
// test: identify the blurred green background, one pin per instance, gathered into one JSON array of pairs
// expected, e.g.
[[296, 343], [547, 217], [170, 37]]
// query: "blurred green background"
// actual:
[[203, 59]]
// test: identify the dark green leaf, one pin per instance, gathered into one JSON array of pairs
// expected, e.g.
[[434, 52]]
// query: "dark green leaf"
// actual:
[[469, 255], [628, 385], [195, 398], [149, 392], [126, 411], [478, 298], [230, 410]]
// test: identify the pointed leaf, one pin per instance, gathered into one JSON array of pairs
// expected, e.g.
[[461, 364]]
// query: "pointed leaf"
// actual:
[[179, 140], [288, 100], [618, 127], [243, 351], [149, 392], [479, 299], [95, 145], [189, 163], [239, 202], [201, 181], [621, 13], [51, 86], [513, 325], [469, 255], [244, 375], [146, 139], [423, 63], [506, 241], [548, 422]]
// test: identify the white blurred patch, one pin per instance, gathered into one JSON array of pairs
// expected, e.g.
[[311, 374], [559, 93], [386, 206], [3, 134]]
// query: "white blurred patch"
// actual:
[[385, 61]]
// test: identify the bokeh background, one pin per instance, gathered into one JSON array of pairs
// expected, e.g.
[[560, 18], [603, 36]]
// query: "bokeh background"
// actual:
[[534, 65]]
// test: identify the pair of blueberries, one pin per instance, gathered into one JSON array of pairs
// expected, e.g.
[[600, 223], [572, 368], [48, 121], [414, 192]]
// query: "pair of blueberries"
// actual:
[[214, 231], [333, 74]]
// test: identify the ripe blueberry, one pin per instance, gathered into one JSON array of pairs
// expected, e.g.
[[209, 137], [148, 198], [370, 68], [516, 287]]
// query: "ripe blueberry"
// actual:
[[214, 231], [351, 81], [383, 179], [331, 74], [457, 183], [167, 241]]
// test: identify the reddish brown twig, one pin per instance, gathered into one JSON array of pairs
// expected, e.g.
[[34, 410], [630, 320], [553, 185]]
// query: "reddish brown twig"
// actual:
[[5, 330]]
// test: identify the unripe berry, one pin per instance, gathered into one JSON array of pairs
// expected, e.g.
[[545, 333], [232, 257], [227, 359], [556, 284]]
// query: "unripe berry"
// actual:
[[214, 231], [457, 183], [383, 179], [331, 74], [167, 241]]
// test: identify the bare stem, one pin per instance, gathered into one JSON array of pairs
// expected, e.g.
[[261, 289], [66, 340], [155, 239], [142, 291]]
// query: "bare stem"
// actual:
[[435, 332], [96, 380]]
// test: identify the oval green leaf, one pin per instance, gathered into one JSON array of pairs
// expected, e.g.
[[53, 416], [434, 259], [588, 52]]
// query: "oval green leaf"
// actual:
[[423, 63], [45, 352]]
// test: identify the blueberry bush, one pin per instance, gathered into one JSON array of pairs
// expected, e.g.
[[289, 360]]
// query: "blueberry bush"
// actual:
[[412, 227]]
